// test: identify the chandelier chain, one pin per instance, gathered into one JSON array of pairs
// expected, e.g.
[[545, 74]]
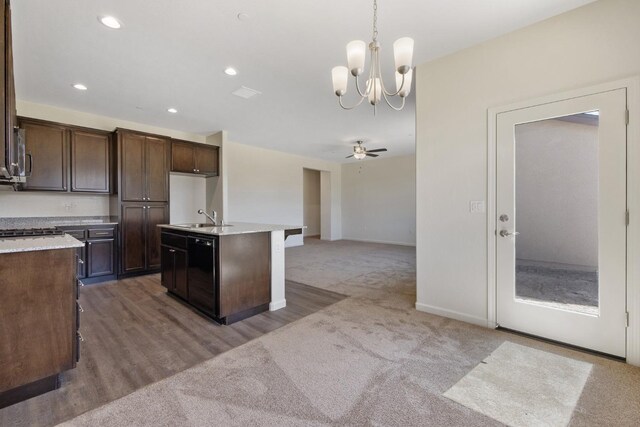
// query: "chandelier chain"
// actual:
[[375, 20]]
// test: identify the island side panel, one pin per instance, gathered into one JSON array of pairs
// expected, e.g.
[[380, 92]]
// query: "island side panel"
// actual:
[[278, 300], [244, 272]]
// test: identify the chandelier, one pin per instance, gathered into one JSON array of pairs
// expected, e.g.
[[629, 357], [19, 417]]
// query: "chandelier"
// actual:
[[374, 89]]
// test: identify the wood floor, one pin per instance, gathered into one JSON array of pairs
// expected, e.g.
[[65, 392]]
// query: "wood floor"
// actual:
[[135, 334]]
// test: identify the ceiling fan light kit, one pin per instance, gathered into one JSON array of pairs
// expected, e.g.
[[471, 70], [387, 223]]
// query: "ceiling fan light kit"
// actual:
[[360, 152], [375, 90]]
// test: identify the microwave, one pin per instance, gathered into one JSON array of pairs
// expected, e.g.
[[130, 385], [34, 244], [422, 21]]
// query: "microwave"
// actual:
[[15, 162]]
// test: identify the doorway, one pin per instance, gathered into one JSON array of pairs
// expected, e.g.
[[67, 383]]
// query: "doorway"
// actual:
[[312, 203], [560, 220]]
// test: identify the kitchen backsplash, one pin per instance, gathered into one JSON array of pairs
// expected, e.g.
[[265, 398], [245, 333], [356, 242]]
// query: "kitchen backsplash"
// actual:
[[41, 204]]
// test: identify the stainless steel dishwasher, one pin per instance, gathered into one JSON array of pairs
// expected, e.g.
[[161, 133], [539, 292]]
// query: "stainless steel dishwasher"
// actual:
[[202, 274]]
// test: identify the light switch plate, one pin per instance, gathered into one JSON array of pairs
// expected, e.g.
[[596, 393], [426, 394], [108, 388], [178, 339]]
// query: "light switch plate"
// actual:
[[476, 206]]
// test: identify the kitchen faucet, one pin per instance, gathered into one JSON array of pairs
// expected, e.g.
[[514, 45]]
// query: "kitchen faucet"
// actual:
[[213, 219]]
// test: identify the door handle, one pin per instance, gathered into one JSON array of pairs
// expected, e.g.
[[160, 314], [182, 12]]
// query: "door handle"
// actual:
[[505, 233]]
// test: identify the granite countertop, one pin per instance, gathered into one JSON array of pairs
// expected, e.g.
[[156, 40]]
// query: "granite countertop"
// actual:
[[55, 221], [45, 243], [232, 228]]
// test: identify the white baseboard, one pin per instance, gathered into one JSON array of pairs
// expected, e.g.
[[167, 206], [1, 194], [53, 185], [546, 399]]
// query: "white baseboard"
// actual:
[[277, 305], [452, 314], [386, 242]]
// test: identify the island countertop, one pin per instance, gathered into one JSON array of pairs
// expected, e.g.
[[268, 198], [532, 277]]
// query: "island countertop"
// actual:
[[233, 228], [38, 243]]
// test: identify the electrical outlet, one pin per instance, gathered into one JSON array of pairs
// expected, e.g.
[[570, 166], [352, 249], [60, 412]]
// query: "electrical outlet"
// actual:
[[476, 206]]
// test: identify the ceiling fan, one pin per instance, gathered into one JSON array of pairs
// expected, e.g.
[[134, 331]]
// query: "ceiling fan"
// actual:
[[360, 152]]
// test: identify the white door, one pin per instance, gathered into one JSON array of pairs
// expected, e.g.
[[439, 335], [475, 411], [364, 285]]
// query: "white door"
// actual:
[[561, 221]]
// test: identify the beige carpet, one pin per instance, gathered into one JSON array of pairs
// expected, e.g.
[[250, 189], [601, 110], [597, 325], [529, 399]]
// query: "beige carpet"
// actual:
[[523, 386], [370, 359]]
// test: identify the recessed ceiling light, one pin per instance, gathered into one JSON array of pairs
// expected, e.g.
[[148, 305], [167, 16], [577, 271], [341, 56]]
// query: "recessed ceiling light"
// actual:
[[230, 71], [242, 16], [80, 86], [110, 21], [172, 110]]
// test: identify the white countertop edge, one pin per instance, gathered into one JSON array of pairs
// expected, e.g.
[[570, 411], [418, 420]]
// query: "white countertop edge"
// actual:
[[234, 228], [29, 244]]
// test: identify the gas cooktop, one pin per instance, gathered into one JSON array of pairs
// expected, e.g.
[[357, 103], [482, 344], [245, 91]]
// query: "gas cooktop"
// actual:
[[29, 232]]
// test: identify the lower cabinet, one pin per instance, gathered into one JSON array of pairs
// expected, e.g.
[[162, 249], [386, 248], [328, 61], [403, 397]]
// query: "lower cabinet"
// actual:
[[174, 270], [38, 337], [97, 258]]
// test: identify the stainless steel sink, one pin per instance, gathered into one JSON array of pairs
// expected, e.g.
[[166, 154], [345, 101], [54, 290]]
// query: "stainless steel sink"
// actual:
[[202, 225]]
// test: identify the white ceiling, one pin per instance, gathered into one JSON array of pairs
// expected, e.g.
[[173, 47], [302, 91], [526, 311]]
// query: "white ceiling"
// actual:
[[172, 54]]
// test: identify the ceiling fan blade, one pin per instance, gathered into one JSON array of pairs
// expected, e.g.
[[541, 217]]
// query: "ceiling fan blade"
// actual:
[[377, 150], [349, 156], [372, 155]]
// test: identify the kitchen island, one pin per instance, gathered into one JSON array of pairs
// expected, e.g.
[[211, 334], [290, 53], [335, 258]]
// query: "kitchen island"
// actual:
[[228, 272]]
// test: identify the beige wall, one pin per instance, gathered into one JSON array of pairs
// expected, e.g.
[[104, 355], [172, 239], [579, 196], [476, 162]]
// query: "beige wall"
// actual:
[[266, 186], [589, 45], [379, 200], [557, 192], [311, 189]]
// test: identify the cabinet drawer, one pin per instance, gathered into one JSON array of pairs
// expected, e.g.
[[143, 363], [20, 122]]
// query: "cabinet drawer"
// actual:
[[174, 240], [101, 233]]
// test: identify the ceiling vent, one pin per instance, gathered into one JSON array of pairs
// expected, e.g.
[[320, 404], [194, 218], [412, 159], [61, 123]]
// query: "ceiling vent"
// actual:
[[245, 92]]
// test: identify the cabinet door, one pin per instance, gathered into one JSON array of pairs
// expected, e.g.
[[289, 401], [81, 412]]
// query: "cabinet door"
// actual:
[[90, 162], [100, 258], [167, 276], [158, 214], [207, 160], [132, 166], [157, 168], [180, 273], [182, 157], [47, 144], [9, 95], [133, 238]]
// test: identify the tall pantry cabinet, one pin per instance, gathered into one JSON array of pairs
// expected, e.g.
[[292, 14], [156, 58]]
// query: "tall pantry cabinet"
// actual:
[[143, 199]]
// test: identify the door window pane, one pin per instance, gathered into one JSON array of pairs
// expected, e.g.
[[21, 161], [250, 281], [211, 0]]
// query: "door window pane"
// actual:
[[557, 212]]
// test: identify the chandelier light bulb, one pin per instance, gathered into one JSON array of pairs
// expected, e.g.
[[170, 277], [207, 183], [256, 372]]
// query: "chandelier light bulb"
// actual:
[[340, 77], [403, 54], [375, 91], [356, 53]]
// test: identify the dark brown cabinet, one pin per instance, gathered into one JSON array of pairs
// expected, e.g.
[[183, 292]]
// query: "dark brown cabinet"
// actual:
[[140, 236], [90, 161], [174, 265], [144, 167], [194, 158], [40, 324], [97, 258], [64, 153], [7, 88], [47, 143]]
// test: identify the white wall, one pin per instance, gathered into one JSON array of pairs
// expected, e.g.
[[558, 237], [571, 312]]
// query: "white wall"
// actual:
[[187, 194], [557, 192], [586, 46], [311, 190], [266, 186], [25, 204], [379, 200]]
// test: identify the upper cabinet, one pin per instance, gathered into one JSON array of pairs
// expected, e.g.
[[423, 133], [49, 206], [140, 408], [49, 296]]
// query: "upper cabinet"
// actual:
[[90, 161], [47, 143], [144, 167], [7, 88], [64, 154], [194, 158]]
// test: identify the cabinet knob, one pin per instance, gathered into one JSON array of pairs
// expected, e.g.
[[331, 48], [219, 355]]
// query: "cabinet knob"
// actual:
[[80, 336], [172, 250], [80, 308], [80, 283], [80, 261]]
